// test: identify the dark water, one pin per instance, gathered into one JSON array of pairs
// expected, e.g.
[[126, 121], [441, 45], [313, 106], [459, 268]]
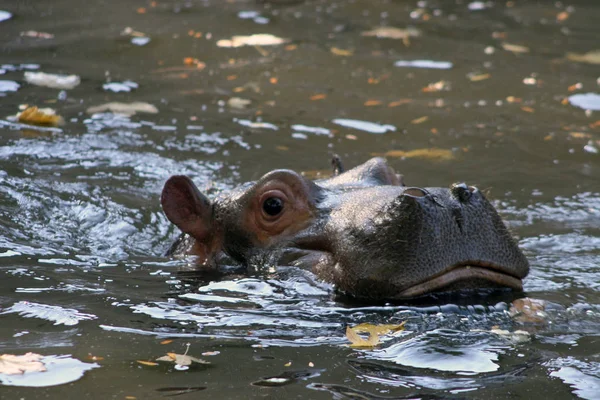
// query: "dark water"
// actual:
[[82, 233]]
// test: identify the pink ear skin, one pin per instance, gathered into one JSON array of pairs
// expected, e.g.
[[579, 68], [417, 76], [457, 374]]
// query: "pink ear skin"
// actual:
[[187, 208]]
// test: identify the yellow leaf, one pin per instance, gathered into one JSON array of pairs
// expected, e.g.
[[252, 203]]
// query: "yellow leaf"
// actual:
[[359, 342], [148, 363], [166, 341], [341, 52], [430, 154], [419, 120], [287, 364], [480, 77], [527, 109], [319, 96], [371, 103], [515, 48], [382, 329], [39, 116]]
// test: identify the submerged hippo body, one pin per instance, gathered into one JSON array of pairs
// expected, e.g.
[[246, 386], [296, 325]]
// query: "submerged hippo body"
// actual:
[[362, 230]]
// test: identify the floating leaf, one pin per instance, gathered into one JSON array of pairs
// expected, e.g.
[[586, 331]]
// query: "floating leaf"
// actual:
[[17, 365], [528, 310], [148, 363], [436, 87], [430, 154], [382, 329], [181, 359], [388, 32], [341, 52], [527, 109], [39, 116], [591, 57], [359, 342], [399, 102], [419, 120], [319, 96], [238, 102], [479, 77], [371, 103], [53, 81], [515, 48], [261, 39], [127, 109]]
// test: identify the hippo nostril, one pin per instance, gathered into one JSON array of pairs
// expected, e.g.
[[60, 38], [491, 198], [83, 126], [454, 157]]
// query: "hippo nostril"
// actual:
[[461, 192]]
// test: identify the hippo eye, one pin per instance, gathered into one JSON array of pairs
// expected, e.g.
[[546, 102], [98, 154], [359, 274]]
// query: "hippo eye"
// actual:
[[273, 206]]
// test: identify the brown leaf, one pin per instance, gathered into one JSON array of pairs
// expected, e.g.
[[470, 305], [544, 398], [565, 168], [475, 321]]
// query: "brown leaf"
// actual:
[[11, 364], [166, 341], [148, 363], [528, 310], [399, 102], [319, 96], [181, 359], [371, 103], [527, 109]]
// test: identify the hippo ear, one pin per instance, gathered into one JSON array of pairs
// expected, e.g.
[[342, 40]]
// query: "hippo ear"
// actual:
[[186, 207]]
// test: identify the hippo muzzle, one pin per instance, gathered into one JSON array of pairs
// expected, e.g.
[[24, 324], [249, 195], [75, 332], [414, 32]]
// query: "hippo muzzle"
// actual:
[[362, 230]]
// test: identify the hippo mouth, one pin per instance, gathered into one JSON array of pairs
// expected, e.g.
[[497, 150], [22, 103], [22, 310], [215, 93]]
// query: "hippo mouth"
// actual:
[[465, 276]]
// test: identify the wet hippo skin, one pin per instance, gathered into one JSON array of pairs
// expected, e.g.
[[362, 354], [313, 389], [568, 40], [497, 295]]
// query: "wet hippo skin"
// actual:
[[362, 230]]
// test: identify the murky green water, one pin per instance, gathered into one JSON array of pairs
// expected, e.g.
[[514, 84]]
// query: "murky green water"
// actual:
[[82, 233]]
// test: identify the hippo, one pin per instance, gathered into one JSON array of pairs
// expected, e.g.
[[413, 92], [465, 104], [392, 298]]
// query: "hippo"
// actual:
[[363, 230]]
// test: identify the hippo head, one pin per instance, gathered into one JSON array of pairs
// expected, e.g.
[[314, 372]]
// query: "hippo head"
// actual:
[[362, 230]]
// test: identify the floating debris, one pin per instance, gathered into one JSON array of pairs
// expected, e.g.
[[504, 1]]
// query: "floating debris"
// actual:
[[127, 109], [116, 87], [260, 39], [254, 16], [591, 57], [57, 370], [424, 64], [11, 364], [238, 103], [256, 125], [4, 15], [53, 81], [9, 86], [366, 126], [515, 48], [587, 101], [389, 32], [38, 35]]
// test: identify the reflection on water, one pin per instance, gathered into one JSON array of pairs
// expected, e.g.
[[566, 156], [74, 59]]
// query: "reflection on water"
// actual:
[[511, 86]]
